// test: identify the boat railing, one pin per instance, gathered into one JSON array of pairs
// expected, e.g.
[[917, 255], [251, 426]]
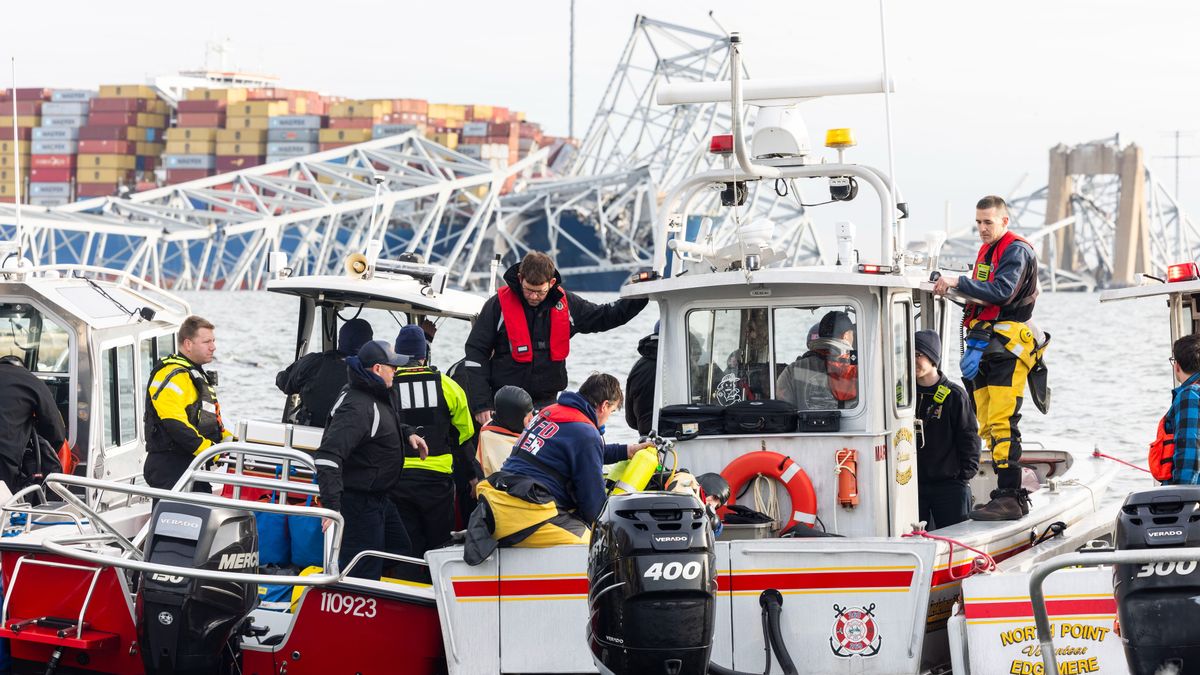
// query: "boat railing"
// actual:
[[121, 277], [97, 547], [20, 503], [394, 557], [1092, 558]]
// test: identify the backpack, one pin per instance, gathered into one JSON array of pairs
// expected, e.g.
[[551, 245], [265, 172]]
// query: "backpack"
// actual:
[[1162, 452]]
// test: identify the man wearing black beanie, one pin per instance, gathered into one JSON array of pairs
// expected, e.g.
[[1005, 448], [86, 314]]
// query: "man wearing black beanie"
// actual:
[[948, 447]]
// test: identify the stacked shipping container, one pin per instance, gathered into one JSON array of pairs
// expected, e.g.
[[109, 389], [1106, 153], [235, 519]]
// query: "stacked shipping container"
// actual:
[[52, 160], [121, 140], [109, 141], [15, 146]]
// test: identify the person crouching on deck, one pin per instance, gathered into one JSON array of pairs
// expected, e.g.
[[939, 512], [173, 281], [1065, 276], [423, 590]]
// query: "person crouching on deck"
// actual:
[[550, 490]]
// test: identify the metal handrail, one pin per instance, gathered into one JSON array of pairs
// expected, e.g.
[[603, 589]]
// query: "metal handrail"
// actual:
[[69, 547], [386, 556], [18, 503], [287, 456], [61, 483], [87, 599], [1037, 597]]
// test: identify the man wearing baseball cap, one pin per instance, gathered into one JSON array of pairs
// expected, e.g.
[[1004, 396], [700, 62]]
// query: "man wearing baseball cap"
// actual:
[[948, 445], [361, 456]]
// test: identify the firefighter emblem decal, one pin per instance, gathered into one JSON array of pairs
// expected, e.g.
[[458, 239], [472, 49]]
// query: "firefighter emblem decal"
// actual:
[[855, 632]]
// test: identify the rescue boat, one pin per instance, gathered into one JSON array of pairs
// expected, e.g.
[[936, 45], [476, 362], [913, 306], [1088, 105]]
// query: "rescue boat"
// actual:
[[1122, 603], [843, 577]]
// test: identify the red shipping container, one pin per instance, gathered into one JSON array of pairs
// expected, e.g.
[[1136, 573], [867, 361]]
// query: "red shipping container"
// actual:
[[52, 161], [237, 162], [26, 94], [119, 105], [96, 189], [6, 133], [62, 175], [149, 163], [104, 133], [201, 106], [332, 146], [112, 119], [210, 120], [351, 122], [184, 175], [23, 107], [107, 147]]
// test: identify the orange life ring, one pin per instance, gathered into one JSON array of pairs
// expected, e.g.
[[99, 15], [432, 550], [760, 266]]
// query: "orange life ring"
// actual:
[[780, 467]]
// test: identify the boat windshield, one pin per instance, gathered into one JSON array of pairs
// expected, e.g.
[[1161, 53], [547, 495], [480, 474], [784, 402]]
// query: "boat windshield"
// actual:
[[34, 338], [42, 344], [811, 362]]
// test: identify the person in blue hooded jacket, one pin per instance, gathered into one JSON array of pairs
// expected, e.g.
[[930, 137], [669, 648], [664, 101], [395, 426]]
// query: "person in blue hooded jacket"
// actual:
[[550, 490]]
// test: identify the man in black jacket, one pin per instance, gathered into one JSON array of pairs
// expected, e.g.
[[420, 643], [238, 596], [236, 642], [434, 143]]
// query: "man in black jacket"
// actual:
[[318, 377], [522, 336], [639, 387], [361, 457], [948, 456], [25, 404]]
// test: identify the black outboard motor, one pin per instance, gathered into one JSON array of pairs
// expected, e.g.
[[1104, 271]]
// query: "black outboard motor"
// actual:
[[186, 625], [652, 578], [1156, 603]]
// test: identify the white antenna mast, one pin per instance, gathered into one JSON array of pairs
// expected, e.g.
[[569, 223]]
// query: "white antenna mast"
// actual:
[[17, 165], [898, 242]]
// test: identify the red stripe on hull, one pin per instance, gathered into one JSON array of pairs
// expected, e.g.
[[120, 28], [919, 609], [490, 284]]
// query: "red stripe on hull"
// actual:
[[1023, 609]]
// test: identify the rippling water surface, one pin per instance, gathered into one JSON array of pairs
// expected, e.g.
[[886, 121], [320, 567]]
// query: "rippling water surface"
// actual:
[[1108, 363]]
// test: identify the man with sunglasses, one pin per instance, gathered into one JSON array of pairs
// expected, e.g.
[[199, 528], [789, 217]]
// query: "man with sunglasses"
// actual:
[[522, 336]]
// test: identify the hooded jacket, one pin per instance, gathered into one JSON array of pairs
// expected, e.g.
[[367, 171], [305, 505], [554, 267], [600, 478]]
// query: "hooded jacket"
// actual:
[[639, 388], [565, 438], [949, 434], [362, 448], [489, 363], [318, 378]]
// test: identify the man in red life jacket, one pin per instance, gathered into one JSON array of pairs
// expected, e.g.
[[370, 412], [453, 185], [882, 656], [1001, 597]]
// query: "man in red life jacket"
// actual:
[[1001, 347], [523, 334]]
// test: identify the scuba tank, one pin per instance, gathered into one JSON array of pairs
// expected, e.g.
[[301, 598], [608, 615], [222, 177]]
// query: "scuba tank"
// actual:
[[637, 472]]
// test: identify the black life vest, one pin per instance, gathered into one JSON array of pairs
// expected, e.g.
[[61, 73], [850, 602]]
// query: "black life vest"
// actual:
[[418, 396], [204, 414]]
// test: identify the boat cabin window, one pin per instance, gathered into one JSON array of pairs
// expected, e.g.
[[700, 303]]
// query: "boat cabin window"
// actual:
[[811, 361], [120, 392], [153, 349], [902, 352], [42, 344]]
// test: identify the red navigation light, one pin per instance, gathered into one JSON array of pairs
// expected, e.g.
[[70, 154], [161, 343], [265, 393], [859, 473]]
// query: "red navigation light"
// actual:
[[867, 268], [1183, 272], [721, 145]]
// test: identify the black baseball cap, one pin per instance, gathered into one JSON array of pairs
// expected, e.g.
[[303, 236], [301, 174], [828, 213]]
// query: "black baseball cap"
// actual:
[[379, 351]]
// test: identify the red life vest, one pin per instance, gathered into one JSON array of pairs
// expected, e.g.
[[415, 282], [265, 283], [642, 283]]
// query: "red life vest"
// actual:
[[985, 270], [517, 326], [842, 371], [1162, 453]]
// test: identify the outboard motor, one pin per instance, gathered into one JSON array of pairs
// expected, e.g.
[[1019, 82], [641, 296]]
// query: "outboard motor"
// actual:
[[1156, 603], [651, 582], [186, 625]]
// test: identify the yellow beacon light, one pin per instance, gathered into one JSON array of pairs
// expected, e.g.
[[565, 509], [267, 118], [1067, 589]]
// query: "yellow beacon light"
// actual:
[[840, 139]]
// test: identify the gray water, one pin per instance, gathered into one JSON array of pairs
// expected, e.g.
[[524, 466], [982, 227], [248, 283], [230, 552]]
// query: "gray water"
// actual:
[[1108, 363]]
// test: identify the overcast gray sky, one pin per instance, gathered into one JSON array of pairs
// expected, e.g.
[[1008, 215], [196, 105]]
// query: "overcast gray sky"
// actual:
[[984, 89]]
